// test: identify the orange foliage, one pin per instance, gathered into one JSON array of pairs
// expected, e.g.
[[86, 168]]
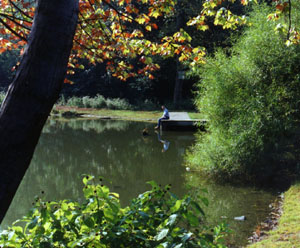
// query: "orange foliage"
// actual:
[[111, 31]]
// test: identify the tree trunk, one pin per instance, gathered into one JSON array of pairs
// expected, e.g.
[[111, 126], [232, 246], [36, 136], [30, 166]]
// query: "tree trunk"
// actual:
[[34, 91], [177, 96]]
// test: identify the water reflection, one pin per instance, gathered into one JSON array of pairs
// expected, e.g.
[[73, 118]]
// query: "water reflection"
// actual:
[[227, 201], [126, 159], [165, 143], [115, 150]]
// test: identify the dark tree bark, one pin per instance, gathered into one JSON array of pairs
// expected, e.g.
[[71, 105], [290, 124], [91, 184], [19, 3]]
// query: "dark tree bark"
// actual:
[[34, 91], [177, 96]]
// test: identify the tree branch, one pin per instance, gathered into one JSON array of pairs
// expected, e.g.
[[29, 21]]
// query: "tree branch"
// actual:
[[13, 31], [21, 11], [13, 19], [118, 12]]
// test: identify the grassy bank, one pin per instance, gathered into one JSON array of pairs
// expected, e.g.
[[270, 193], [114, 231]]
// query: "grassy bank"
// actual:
[[108, 113], [114, 108], [287, 235], [115, 114]]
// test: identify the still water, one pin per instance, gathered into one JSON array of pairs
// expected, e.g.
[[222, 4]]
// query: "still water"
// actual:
[[117, 151]]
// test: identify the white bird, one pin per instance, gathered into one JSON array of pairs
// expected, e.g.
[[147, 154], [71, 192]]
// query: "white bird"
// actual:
[[240, 218]]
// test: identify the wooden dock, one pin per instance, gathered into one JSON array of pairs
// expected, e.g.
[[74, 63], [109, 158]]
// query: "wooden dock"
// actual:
[[180, 121]]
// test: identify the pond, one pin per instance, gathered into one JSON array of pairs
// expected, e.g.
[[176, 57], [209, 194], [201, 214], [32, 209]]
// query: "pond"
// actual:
[[117, 151]]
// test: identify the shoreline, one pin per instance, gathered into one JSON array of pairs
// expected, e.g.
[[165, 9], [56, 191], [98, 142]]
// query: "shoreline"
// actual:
[[286, 233], [280, 229], [130, 115]]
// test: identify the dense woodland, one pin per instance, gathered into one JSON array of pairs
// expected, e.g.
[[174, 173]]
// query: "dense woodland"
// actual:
[[96, 79]]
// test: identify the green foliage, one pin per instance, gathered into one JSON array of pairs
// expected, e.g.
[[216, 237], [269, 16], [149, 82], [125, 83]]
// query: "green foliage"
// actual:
[[155, 218], [146, 105], [75, 102], [8, 60], [251, 99], [99, 102], [2, 96], [95, 102], [67, 114], [118, 103]]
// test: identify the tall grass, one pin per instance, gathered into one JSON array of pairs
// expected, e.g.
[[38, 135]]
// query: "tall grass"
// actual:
[[95, 102], [100, 102]]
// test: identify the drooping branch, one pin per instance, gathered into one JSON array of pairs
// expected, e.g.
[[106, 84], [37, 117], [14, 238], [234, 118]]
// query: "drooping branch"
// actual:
[[20, 10], [13, 31], [14, 20]]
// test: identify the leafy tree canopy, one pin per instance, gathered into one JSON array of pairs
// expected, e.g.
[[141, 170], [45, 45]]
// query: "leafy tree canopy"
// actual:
[[122, 33]]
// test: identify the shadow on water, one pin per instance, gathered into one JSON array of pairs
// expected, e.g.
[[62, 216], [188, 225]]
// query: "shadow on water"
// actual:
[[227, 201], [118, 152]]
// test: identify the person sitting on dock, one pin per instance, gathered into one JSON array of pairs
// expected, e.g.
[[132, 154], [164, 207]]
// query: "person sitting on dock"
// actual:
[[165, 116]]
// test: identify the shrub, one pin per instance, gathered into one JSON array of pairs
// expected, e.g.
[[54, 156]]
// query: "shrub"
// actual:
[[69, 114], [75, 102], [117, 103], [251, 100], [86, 101], [155, 218], [2, 96], [98, 102], [61, 101]]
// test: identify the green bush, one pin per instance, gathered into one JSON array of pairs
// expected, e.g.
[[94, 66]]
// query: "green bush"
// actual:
[[251, 100], [69, 114], [61, 101], [2, 96], [117, 103], [75, 102], [155, 218], [96, 102], [86, 101]]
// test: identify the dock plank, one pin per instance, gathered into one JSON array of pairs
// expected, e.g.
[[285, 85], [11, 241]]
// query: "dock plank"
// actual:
[[180, 121], [179, 116]]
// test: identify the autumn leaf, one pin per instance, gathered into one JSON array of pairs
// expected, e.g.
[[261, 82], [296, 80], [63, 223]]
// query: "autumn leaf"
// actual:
[[148, 28], [67, 81]]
